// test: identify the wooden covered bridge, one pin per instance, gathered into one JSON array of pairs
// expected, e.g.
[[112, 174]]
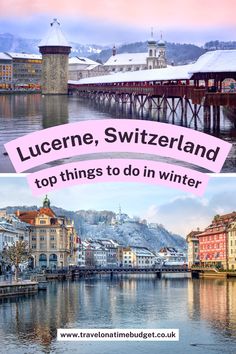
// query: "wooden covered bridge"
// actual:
[[209, 83]]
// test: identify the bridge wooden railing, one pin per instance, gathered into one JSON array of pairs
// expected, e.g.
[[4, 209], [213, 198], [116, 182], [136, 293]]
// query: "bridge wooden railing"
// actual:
[[198, 95], [130, 270]]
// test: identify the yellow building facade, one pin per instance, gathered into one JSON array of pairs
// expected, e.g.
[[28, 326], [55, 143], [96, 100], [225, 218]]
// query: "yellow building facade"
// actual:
[[232, 246], [53, 239]]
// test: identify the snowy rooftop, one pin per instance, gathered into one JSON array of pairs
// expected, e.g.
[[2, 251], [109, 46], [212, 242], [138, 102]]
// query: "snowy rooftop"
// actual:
[[4, 56], [216, 61], [82, 60], [92, 66], [54, 37], [142, 252], [5, 226], [24, 56], [127, 58], [169, 73]]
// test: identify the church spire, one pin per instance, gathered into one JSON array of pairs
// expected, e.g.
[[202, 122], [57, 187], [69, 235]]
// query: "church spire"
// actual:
[[46, 202]]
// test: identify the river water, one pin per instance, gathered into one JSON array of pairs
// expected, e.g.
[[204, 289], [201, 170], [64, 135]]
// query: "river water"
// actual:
[[25, 113], [203, 310]]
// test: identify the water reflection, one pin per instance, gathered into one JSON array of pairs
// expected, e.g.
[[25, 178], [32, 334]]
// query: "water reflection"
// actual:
[[218, 309], [203, 310], [54, 110], [22, 114]]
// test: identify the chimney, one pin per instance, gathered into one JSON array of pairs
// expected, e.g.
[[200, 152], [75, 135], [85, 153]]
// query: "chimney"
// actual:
[[114, 50]]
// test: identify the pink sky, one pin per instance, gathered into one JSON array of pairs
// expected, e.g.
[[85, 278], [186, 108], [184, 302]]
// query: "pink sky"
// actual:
[[138, 13]]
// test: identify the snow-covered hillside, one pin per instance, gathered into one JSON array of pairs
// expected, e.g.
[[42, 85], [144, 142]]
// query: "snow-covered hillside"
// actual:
[[103, 224]]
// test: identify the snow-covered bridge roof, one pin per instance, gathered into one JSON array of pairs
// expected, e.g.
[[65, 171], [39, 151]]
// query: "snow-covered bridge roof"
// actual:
[[216, 61], [170, 73]]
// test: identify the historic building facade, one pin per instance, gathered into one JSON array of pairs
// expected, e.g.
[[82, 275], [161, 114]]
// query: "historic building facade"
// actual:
[[193, 247], [5, 71], [55, 52], [26, 70], [155, 58], [214, 241], [232, 246], [81, 67], [53, 239]]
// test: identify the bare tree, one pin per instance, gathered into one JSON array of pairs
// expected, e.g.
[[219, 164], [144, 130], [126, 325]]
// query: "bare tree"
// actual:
[[16, 254]]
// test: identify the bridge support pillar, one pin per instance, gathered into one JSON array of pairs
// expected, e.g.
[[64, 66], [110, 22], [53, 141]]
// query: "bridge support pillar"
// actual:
[[207, 117], [216, 118]]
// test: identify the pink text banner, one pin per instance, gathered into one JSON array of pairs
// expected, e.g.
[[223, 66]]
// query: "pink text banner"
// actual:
[[117, 135], [118, 170]]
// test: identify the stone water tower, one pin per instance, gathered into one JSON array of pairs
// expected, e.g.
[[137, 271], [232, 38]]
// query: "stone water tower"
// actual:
[[55, 51]]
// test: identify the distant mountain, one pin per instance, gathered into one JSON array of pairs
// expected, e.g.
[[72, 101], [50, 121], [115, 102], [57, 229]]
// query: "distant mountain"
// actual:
[[11, 43], [175, 52], [97, 225], [215, 45]]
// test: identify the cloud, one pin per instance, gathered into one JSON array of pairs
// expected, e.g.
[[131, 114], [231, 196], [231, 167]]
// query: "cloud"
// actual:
[[139, 13], [119, 21], [184, 214], [179, 212]]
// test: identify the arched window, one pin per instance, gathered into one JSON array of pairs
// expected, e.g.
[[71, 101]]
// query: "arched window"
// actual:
[[150, 52], [42, 260], [53, 260]]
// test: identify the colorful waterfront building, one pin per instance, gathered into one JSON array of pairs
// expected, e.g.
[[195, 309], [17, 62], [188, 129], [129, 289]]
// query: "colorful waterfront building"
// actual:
[[143, 257], [26, 70], [135, 256], [193, 247], [53, 239], [95, 254], [55, 53], [5, 71], [232, 246], [213, 242]]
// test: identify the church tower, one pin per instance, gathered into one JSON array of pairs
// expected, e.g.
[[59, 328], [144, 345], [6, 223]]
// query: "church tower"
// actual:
[[55, 51], [161, 53], [152, 53], [46, 202]]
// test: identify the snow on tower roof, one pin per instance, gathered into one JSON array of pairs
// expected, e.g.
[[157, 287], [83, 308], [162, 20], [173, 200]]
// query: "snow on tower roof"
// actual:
[[216, 61], [54, 37]]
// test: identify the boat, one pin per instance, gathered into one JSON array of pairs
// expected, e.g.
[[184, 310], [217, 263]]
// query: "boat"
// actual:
[[42, 285]]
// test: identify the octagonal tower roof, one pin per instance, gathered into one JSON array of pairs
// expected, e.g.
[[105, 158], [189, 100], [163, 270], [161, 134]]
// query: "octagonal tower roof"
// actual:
[[54, 37]]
